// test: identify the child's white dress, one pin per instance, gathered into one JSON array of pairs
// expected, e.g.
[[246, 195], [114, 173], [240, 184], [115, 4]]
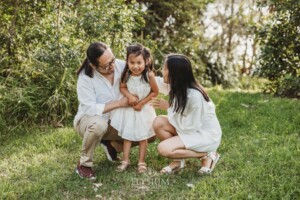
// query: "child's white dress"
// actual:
[[135, 125]]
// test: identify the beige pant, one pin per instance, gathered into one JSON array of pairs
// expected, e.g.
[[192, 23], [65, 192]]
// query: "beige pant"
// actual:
[[93, 129]]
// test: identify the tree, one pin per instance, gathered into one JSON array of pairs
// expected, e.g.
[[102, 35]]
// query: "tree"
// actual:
[[217, 35], [174, 26], [229, 43], [280, 48]]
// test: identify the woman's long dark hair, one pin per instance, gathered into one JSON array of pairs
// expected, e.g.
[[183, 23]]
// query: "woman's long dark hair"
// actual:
[[94, 51], [181, 78], [138, 49]]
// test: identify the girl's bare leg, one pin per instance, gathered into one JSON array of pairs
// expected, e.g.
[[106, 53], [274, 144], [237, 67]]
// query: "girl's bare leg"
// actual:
[[126, 150], [143, 150]]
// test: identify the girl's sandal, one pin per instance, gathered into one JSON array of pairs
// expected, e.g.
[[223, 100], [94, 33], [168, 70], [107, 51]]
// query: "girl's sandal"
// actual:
[[169, 170], [123, 166], [214, 159], [142, 168]]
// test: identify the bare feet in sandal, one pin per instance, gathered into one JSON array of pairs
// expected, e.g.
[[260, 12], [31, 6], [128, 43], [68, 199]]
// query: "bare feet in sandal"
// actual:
[[123, 166], [142, 168], [173, 167], [208, 163]]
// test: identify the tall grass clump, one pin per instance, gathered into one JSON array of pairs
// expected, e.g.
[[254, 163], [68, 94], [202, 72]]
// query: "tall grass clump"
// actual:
[[46, 45]]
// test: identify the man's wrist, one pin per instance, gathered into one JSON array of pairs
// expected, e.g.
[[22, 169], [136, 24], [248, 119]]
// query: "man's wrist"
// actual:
[[119, 103]]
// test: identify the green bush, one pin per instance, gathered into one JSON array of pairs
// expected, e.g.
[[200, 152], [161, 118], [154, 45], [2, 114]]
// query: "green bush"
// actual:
[[252, 83], [45, 47], [280, 52]]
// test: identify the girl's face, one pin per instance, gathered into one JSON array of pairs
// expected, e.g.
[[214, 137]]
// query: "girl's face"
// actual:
[[136, 64], [165, 73]]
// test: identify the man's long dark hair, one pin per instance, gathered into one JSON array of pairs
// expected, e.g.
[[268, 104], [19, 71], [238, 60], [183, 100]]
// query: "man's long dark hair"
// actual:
[[94, 51], [138, 49], [181, 78]]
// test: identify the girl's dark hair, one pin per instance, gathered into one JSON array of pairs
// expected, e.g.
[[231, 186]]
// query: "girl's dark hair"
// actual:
[[138, 49], [94, 51], [181, 78]]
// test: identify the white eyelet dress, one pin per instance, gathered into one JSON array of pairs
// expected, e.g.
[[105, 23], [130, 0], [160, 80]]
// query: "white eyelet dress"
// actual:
[[135, 125]]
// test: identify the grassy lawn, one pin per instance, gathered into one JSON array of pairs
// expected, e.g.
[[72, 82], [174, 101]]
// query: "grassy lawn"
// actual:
[[259, 160]]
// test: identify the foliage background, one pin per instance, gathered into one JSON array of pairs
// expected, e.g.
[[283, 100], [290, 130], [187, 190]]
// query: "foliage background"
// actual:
[[44, 42], [280, 48]]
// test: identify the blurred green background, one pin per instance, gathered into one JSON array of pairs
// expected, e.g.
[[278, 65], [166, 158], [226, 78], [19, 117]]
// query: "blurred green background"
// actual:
[[233, 44]]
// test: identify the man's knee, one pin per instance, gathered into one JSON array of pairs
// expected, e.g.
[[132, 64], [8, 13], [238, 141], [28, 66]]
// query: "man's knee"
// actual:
[[98, 129]]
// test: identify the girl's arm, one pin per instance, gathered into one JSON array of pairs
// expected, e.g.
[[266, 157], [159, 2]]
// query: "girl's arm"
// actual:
[[132, 99], [153, 93]]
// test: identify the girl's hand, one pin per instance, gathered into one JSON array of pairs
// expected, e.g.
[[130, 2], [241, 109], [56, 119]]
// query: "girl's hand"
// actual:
[[133, 100], [159, 103], [138, 107]]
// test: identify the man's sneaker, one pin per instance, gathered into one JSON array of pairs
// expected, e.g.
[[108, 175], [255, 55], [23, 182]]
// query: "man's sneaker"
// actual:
[[85, 172], [110, 151]]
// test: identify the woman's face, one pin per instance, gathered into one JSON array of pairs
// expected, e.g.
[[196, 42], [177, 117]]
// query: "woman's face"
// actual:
[[165, 73]]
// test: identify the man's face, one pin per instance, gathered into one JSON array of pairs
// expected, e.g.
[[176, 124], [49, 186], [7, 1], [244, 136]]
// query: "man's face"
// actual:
[[106, 63]]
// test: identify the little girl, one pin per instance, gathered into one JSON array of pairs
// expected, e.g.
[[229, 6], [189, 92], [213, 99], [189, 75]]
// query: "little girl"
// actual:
[[135, 123]]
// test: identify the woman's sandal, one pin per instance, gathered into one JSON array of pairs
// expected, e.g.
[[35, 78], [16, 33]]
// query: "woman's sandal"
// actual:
[[123, 166], [142, 168], [169, 170], [214, 159]]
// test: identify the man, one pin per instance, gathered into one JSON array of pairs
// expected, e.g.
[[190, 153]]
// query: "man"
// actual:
[[98, 93]]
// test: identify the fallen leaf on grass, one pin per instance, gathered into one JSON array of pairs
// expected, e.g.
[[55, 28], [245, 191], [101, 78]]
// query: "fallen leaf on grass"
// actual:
[[97, 185], [190, 185], [245, 105]]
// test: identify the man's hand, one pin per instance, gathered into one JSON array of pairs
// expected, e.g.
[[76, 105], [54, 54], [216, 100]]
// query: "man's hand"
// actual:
[[123, 102]]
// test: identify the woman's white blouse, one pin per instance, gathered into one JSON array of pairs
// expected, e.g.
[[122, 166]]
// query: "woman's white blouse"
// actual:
[[198, 126]]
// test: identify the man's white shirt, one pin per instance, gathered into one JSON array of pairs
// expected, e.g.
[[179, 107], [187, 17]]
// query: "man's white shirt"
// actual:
[[94, 93]]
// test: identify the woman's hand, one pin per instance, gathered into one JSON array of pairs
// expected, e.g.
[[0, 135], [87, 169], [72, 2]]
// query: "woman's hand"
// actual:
[[159, 103]]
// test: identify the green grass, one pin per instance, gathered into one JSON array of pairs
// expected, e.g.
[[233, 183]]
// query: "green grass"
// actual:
[[259, 160]]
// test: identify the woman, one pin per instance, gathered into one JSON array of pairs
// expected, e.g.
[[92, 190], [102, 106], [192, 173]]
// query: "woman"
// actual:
[[191, 129]]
